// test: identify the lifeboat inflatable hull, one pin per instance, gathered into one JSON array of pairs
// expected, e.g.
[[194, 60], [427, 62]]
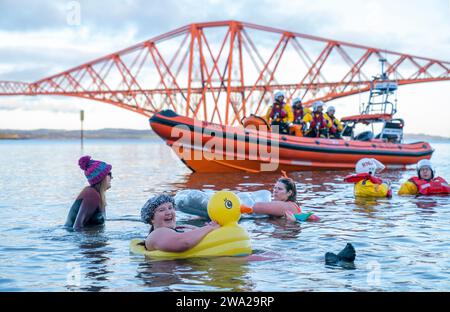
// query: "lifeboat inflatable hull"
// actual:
[[209, 147]]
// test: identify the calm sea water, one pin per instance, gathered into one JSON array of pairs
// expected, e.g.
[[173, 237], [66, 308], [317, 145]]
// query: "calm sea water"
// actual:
[[402, 244]]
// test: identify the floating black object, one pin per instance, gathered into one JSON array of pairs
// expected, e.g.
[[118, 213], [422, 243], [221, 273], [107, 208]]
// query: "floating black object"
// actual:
[[347, 254]]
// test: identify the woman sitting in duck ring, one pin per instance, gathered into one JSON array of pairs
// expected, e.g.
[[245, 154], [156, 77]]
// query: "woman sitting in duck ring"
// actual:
[[164, 235]]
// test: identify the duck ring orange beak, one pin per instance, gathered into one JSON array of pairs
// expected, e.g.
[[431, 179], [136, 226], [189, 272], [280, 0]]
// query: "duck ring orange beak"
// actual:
[[246, 209]]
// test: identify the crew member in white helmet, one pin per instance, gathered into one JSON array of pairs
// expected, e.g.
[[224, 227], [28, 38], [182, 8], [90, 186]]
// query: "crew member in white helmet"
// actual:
[[318, 124], [336, 126], [366, 183], [279, 114], [426, 182]]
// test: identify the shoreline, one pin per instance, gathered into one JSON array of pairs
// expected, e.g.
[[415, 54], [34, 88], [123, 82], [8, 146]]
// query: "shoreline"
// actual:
[[50, 134]]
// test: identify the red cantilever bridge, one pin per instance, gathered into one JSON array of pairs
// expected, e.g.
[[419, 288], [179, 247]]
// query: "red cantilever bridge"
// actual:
[[223, 71]]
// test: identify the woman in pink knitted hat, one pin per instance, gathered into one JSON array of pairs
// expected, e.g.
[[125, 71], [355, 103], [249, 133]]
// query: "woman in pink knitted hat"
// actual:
[[89, 207]]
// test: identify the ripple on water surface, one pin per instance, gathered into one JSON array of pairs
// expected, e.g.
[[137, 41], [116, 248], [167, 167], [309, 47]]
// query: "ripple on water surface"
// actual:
[[401, 243]]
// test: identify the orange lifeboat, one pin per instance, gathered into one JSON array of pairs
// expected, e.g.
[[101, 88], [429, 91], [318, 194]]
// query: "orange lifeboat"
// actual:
[[209, 147]]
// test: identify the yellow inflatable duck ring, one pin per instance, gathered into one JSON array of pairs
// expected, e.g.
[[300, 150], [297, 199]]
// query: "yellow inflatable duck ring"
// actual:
[[228, 240]]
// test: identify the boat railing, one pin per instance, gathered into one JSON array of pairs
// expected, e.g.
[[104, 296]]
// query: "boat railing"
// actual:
[[383, 107], [379, 99]]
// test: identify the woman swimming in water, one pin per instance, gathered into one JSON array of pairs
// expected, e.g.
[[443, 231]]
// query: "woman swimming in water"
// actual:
[[284, 199], [89, 207], [284, 202], [159, 212]]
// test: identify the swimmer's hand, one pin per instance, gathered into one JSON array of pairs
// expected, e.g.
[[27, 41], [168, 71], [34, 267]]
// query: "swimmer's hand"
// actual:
[[303, 217], [213, 225], [290, 216]]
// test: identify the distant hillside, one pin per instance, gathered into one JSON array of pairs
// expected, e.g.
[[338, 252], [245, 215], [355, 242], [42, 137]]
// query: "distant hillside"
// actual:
[[424, 137], [138, 134], [75, 134]]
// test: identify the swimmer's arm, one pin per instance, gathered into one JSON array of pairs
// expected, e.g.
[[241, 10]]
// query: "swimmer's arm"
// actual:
[[166, 239], [408, 188], [187, 227], [88, 207], [82, 217], [274, 208]]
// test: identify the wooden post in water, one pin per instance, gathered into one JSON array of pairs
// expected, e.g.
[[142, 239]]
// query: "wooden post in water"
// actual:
[[81, 119]]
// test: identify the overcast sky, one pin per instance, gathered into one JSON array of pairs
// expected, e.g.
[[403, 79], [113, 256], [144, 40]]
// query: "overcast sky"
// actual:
[[38, 38]]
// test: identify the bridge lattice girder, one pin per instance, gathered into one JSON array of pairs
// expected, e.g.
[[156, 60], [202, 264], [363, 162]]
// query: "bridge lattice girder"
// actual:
[[223, 71]]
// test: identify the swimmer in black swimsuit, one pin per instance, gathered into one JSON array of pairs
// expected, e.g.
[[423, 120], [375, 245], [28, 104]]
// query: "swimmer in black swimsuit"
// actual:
[[89, 207]]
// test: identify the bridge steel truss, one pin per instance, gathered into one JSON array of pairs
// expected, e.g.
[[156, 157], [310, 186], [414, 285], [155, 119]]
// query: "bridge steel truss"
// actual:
[[224, 71]]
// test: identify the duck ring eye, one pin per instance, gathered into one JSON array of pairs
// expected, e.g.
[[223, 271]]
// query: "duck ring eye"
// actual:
[[228, 204]]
